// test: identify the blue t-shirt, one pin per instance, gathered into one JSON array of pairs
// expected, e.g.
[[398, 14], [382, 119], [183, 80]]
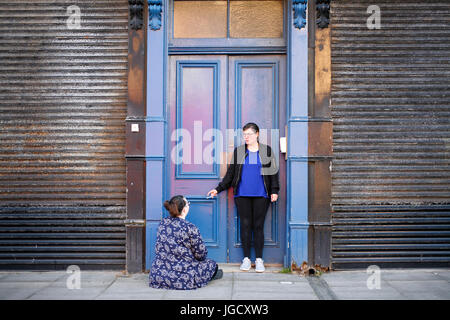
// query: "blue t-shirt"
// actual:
[[251, 183]]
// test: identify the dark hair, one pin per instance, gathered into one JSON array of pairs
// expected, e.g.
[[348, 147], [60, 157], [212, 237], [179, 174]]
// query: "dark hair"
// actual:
[[175, 205], [253, 126]]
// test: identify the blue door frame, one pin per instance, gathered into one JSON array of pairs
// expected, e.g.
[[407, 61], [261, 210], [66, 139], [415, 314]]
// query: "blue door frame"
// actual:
[[157, 153]]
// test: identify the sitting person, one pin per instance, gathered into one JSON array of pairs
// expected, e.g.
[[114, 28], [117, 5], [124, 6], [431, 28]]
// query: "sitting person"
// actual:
[[180, 261]]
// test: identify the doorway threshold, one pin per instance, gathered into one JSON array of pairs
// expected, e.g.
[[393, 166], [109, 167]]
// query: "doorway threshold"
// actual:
[[234, 267]]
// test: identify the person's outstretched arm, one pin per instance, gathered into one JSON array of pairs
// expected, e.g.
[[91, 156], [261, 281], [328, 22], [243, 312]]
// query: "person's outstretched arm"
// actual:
[[228, 179]]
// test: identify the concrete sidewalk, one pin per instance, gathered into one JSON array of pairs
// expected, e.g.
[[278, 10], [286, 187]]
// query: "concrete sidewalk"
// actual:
[[235, 285]]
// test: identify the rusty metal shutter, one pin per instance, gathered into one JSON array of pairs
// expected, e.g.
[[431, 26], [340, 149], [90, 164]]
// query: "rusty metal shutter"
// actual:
[[63, 97], [391, 134]]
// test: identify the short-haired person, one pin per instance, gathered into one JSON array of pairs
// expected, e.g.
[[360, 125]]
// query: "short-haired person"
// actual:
[[180, 261], [253, 174]]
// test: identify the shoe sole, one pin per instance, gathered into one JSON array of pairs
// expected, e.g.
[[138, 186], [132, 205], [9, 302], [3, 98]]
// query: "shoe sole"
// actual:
[[245, 269]]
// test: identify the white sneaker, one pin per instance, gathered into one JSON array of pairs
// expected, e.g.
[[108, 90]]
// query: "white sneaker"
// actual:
[[246, 264], [259, 265]]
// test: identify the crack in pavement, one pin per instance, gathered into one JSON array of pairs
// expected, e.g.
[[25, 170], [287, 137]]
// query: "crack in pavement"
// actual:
[[45, 287], [321, 288]]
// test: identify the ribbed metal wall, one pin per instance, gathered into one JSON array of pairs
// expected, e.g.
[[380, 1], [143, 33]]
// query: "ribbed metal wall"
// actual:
[[63, 96], [391, 134]]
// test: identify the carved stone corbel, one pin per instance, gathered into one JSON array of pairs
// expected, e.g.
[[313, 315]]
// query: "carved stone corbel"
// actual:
[[323, 13], [136, 9], [154, 14], [299, 7]]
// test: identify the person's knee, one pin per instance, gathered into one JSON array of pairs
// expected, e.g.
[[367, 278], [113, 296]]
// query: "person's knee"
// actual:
[[246, 223], [258, 227], [258, 223]]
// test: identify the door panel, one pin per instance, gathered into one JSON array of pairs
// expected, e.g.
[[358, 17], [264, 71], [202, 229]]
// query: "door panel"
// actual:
[[257, 94], [197, 102]]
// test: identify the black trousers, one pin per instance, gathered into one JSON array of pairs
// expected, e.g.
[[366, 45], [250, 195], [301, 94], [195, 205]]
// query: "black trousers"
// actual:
[[252, 213]]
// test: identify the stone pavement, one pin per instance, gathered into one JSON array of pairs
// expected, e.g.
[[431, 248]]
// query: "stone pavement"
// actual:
[[403, 284]]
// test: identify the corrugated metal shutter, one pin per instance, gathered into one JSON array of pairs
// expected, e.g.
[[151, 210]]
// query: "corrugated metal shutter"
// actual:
[[391, 134], [63, 97]]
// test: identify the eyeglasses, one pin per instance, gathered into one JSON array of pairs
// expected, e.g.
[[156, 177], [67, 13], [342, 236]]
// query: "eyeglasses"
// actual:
[[248, 134], [188, 203]]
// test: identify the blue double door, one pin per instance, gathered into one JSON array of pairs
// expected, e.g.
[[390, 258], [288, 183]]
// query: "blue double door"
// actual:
[[210, 98]]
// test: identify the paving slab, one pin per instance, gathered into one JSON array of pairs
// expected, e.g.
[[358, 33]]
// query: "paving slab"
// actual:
[[340, 283], [346, 275], [130, 296], [235, 284], [422, 296], [374, 296], [442, 275], [252, 295], [120, 291], [206, 293], [395, 284], [88, 279], [269, 277], [271, 285], [138, 287], [135, 276], [438, 288], [385, 291], [58, 293], [19, 290], [48, 276], [405, 275]]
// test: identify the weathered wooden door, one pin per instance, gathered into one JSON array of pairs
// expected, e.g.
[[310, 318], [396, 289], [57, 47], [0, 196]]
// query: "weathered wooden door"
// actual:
[[197, 102], [223, 92], [256, 89]]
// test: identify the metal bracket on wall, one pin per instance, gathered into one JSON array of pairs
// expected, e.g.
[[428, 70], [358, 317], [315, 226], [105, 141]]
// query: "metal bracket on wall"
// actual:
[[299, 7], [134, 222], [323, 13], [154, 14], [136, 14]]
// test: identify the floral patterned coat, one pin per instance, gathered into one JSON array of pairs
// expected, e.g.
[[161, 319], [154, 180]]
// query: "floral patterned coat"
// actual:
[[180, 261]]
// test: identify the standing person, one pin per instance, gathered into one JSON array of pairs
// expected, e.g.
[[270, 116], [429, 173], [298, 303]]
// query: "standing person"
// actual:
[[180, 261], [253, 174]]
